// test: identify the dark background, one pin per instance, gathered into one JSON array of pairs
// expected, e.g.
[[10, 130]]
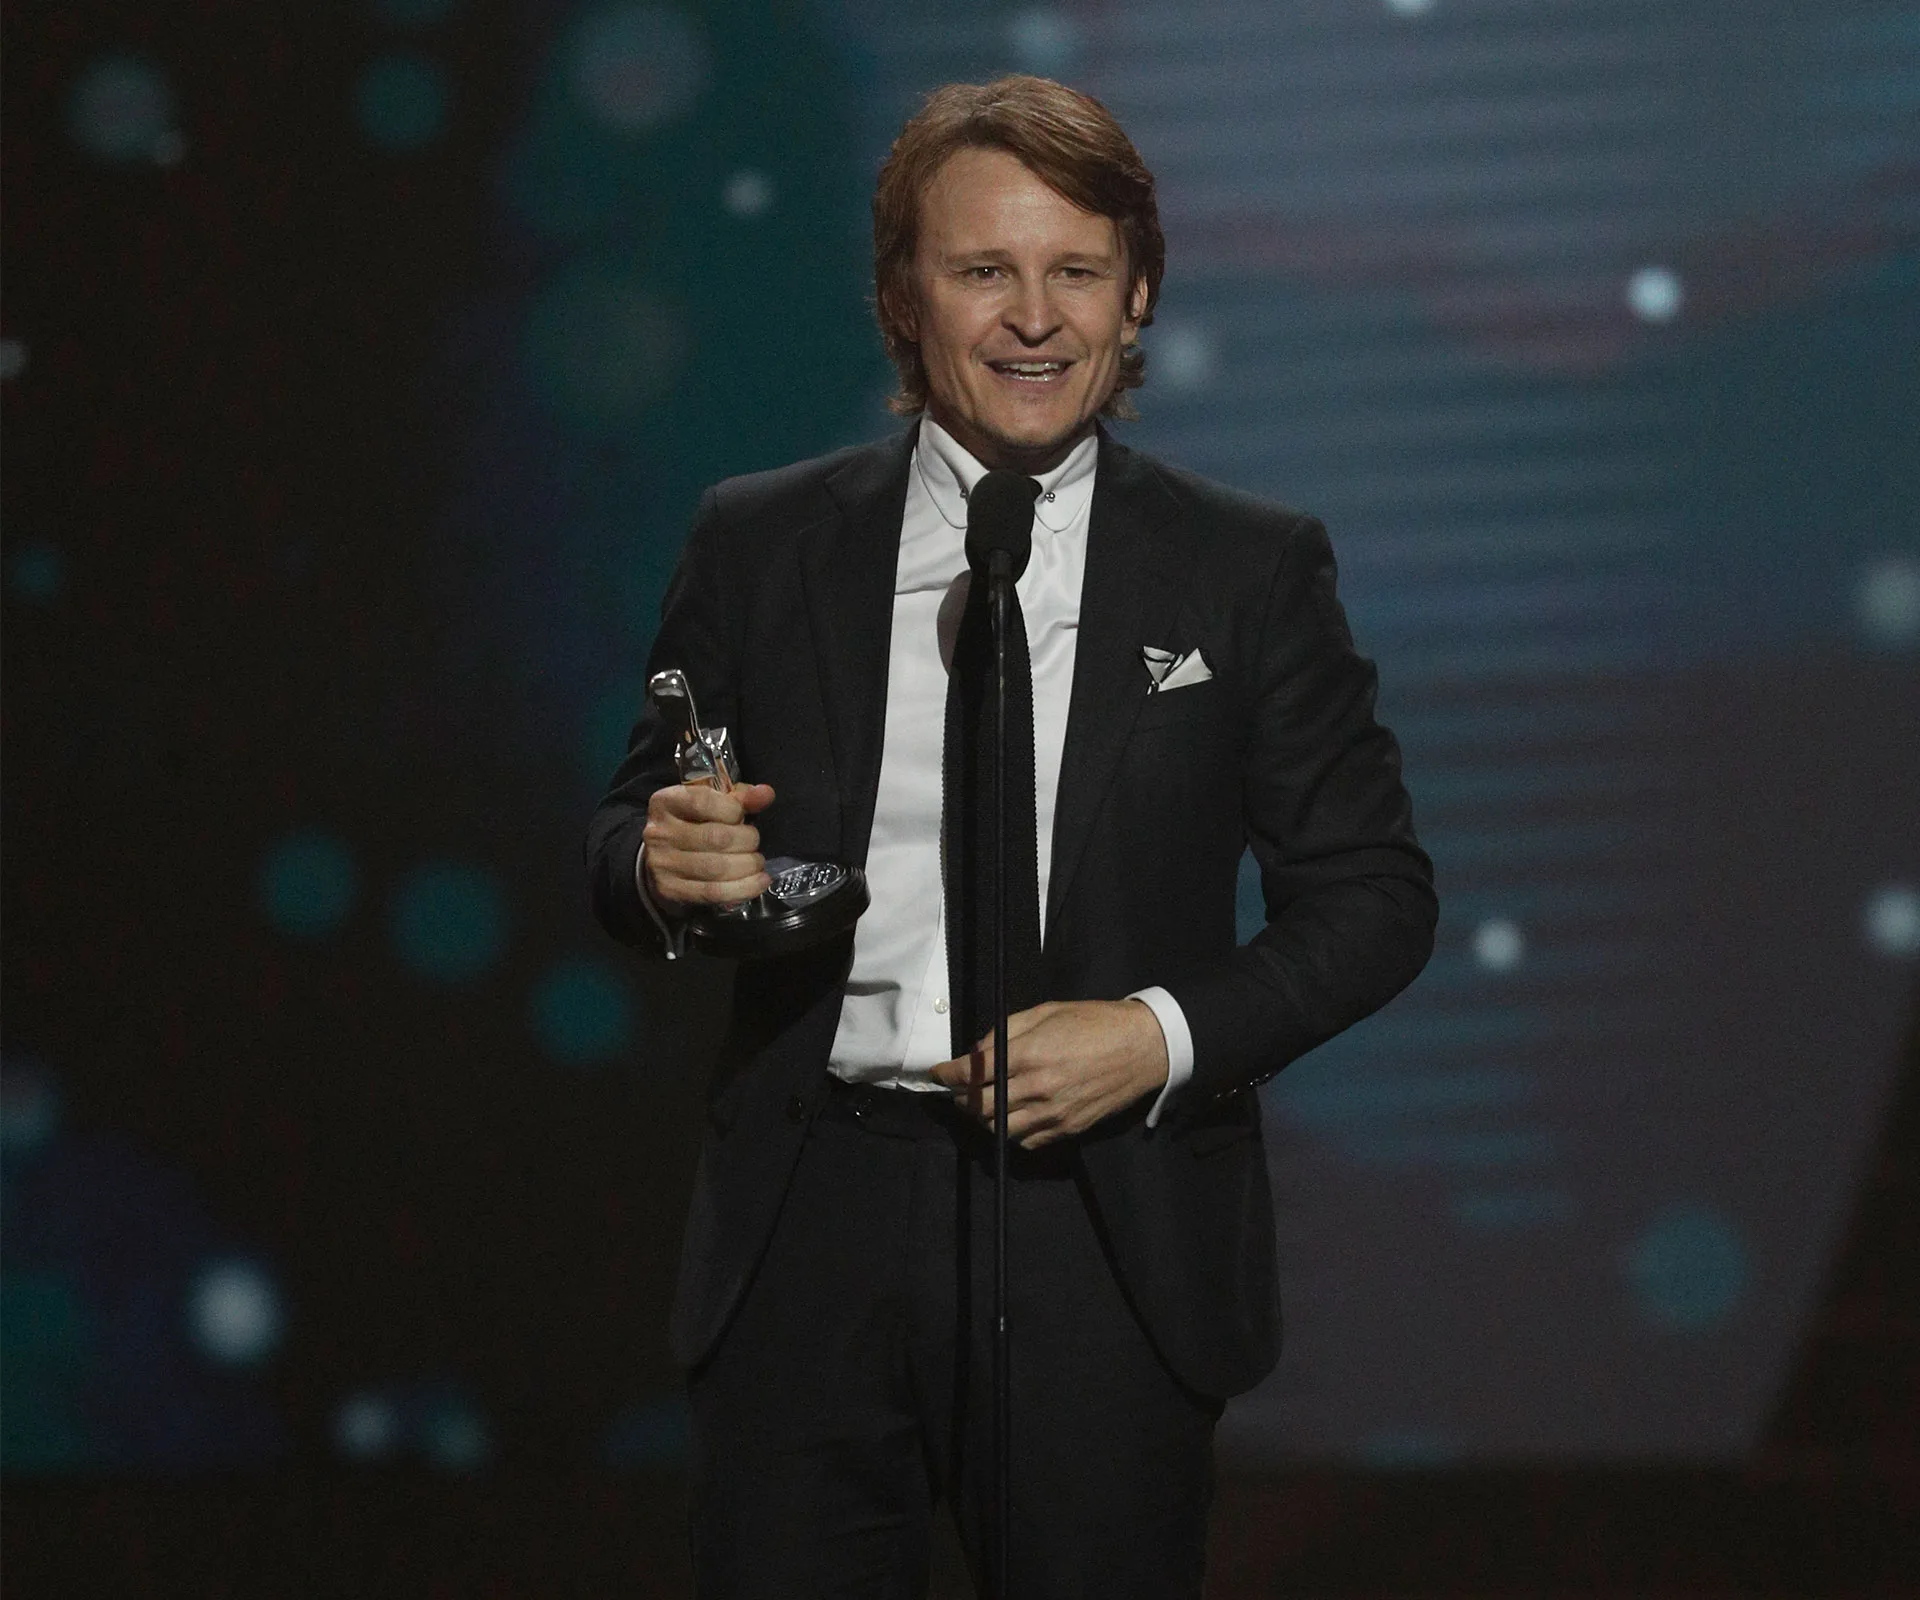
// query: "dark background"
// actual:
[[362, 365]]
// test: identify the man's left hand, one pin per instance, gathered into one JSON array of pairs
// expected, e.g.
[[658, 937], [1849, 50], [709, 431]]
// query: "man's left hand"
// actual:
[[1069, 1063]]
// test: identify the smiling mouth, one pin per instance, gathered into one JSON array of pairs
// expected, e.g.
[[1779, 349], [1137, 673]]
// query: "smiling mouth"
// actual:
[[1031, 371]]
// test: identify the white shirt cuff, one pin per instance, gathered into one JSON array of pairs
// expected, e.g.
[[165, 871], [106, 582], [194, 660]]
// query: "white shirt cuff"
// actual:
[[1173, 1027], [672, 934]]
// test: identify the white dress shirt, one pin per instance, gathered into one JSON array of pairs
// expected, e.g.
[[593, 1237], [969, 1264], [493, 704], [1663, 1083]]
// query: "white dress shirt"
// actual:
[[894, 1025]]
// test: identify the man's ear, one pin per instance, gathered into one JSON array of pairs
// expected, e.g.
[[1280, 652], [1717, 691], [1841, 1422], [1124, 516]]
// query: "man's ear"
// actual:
[[1137, 304]]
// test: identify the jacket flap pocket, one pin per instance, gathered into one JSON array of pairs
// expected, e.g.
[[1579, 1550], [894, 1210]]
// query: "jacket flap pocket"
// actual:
[[1232, 1122]]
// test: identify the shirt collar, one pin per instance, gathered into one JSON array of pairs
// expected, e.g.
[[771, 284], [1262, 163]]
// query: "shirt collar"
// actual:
[[949, 471]]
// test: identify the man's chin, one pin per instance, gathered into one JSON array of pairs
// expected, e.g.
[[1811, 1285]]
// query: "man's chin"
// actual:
[[1030, 449]]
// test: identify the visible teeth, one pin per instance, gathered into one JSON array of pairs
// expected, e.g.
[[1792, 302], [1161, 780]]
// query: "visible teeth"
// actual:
[[1032, 367]]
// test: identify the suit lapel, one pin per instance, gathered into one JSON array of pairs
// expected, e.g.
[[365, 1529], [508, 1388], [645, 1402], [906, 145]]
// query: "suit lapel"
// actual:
[[1129, 597], [847, 566]]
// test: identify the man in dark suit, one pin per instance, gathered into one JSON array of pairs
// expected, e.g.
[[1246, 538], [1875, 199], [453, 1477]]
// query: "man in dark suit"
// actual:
[[1196, 693]]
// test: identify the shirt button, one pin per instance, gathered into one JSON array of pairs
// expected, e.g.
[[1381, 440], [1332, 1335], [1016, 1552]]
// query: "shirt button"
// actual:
[[940, 1006]]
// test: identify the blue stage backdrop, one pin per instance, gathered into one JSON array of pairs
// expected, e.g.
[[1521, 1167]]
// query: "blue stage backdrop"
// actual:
[[361, 372]]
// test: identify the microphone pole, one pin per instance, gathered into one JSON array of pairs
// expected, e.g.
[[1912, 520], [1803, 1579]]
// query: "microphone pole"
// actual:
[[1000, 582], [999, 544]]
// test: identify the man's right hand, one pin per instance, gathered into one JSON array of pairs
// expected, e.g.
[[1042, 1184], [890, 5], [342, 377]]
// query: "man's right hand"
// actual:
[[701, 850]]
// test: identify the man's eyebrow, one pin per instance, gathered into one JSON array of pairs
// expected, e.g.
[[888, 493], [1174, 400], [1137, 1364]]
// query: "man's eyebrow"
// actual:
[[993, 253]]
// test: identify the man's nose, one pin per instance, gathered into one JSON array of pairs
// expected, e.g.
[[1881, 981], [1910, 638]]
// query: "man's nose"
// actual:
[[1032, 314]]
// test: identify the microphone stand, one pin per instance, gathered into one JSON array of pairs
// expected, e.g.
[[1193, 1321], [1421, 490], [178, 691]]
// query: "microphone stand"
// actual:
[[1000, 580]]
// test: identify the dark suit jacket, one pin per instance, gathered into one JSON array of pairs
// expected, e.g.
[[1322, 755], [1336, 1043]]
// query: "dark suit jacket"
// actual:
[[780, 614]]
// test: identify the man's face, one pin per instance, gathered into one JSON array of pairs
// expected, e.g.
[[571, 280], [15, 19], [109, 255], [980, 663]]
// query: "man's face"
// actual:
[[1020, 308]]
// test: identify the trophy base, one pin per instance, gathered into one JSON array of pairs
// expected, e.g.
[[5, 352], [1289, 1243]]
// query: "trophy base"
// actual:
[[807, 903]]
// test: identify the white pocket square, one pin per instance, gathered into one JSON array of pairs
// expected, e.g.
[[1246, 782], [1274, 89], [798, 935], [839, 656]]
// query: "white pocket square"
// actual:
[[1169, 671]]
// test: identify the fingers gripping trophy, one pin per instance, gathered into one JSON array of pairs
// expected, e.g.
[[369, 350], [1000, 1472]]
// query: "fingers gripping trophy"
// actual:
[[806, 902]]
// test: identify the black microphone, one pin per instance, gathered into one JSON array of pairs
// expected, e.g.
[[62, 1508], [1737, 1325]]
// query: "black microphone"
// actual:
[[1000, 523]]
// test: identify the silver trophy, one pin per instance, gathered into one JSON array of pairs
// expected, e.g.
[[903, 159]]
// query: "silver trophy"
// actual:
[[807, 902]]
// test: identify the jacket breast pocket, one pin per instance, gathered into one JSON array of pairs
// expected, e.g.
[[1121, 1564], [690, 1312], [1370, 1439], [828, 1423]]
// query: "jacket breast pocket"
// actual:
[[1198, 707]]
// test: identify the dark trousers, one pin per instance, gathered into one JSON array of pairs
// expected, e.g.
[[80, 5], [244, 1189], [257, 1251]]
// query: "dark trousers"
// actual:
[[853, 1390]]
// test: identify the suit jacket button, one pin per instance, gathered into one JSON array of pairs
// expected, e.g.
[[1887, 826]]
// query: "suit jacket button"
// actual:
[[797, 1109]]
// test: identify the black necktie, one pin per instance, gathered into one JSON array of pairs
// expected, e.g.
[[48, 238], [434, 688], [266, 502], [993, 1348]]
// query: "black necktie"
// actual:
[[966, 823]]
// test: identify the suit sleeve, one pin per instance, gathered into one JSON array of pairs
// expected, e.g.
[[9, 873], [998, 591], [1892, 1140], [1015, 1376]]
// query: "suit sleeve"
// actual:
[[696, 635], [1348, 890]]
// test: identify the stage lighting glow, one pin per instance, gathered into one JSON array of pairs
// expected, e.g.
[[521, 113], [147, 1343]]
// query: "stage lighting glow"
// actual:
[[1688, 1269], [748, 193], [453, 1434], [581, 1013], [401, 102], [366, 1427], [1498, 944], [36, 573], [50, 1378], [1042, 41], [1181, 356], [29, 1105], [122, 107], [601, 348], [1893, 920], [1410, 8], [1887, 601], [449, 922], [308, 885], [636, 67], [235, 1314], [1655, 294], [13, 358]]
